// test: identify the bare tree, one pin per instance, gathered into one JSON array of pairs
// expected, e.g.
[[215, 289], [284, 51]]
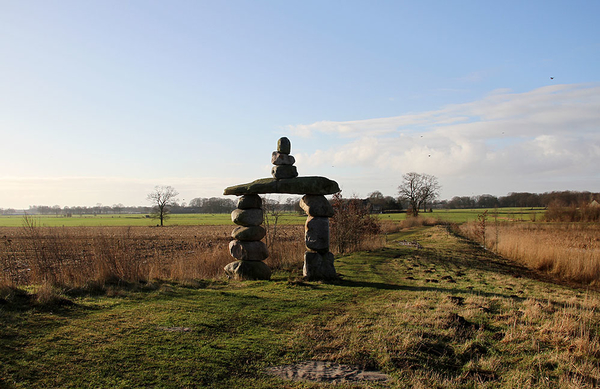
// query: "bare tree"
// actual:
[[162, 198], [418, 190], [431, 190], [376, 201]]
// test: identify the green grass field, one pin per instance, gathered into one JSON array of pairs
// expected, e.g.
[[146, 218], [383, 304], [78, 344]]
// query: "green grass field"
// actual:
[[124, 220], [446, 314], [453, 215]]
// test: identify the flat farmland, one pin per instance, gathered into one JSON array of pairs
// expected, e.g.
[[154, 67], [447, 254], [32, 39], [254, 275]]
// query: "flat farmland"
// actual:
[[286, 218], [467, 215], [136, 220], [79, 256]]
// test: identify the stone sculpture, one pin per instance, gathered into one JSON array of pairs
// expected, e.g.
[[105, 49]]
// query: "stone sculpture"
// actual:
[[247, 247]]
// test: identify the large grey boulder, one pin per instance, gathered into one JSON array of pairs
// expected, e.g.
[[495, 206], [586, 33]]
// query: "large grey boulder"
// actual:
[[300, 185], [284, 146], [317, 234], [249, 201], [282, 159], [316, 205], [319, 266], [250, 233], [284, 171], [247, 217], [248, 250], [248, 270]]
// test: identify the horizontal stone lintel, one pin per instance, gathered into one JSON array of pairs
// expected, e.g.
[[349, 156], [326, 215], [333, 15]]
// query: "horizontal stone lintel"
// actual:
[[300, 185]]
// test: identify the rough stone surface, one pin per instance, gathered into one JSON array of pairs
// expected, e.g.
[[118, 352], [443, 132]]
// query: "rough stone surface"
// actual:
[[319, 266], [282, 159], [326, 371], [316, 205], [248, 251], [248, 270], [284, 171], [284, 146], [249, 201], [300, 185], [247, 217], [250, 233], [317, 234]]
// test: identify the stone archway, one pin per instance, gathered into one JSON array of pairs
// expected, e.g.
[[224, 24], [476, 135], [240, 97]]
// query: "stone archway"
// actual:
[[247, 246]]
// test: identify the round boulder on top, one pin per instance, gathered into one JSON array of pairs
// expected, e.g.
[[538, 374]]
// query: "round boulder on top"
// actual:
[[284, 146]]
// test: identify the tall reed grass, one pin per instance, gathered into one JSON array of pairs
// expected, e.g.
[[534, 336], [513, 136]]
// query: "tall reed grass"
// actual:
[[568, 250]]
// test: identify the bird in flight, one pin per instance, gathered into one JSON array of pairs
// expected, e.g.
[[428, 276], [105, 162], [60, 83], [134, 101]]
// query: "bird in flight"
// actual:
[[552, 78]]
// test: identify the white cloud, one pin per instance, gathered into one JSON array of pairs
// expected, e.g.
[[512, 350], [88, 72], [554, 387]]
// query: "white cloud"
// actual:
[[552, 131]]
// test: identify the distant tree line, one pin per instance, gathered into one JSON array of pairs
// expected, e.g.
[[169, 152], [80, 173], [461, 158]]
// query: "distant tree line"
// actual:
[[565, 198], [376, 202], [98, 209]]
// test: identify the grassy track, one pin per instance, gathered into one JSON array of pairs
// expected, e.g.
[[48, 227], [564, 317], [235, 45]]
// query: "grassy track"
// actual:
[[443, 313]]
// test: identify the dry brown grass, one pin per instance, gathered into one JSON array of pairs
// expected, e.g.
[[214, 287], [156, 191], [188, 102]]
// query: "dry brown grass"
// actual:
[[84, 257], [419, 221], [287, 251], [568, 250], [390, 227]]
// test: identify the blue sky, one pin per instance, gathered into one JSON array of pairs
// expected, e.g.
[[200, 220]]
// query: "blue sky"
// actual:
[[102, 100]]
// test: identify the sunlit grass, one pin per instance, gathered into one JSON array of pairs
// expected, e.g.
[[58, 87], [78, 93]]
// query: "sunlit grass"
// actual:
[[445, 313], [137, 220], [141, 220]]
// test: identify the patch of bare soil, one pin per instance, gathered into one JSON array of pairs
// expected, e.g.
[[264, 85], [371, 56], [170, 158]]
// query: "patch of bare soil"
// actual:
[[325, 371]]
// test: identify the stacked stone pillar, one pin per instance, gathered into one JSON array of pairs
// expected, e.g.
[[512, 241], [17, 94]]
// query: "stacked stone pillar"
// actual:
[[318, 260], [246, 245]]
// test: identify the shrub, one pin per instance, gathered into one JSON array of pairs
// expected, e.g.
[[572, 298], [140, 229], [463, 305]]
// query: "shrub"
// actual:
[[583, 212], [352, 226]]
